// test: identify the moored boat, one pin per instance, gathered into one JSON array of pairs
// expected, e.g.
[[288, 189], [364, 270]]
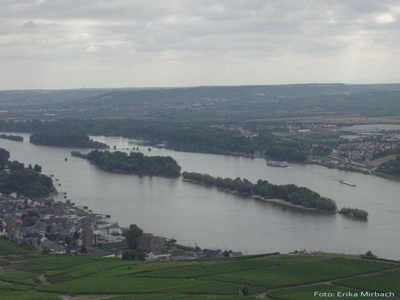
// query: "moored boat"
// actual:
[[273, 163], [347, 183]]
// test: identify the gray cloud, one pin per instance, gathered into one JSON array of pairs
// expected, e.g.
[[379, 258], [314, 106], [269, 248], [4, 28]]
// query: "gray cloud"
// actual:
[[115, 34], [29, 24]]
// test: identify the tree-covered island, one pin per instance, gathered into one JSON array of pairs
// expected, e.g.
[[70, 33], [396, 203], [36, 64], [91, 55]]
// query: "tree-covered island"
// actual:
[[291, 193], [11, 137], [133, 162], [354, 213], [62, 138]]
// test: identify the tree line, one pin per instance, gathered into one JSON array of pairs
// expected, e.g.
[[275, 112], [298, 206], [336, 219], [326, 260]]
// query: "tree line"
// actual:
[[391, 167], [16, 138], [132, 235], [63, 138], [289, 192], [134, 162]]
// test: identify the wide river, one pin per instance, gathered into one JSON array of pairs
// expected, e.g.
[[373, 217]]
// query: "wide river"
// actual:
[[195, 214]]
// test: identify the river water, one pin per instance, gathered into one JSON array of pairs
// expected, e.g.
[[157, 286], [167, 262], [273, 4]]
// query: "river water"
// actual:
[[194, 214]]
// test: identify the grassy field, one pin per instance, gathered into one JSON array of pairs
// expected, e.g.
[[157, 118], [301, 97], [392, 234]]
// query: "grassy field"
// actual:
[[285, 277]]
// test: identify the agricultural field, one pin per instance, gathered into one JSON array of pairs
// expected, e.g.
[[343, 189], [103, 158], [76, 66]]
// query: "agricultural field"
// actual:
[[14, 276], [47, 262], [90, 268], [7, 247], [214, 267], [285, 277], [382, 282], [308, 292], [182, 297], [31, 295], [303, 272]]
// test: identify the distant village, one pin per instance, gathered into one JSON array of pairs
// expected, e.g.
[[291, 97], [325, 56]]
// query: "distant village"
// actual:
[[59, 227], [362, 150], [359, 149]]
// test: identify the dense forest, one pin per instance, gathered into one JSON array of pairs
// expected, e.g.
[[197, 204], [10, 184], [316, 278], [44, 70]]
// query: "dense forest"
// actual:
[[288, 192], [15, 177], [16, 138], [193, 137], [134, 162], [64, 138]]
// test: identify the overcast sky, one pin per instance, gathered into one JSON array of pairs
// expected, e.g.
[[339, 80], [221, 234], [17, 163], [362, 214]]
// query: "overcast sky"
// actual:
[[55, 44]]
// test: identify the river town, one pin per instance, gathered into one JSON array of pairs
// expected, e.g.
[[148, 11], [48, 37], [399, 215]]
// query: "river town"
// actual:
[[48, 225], [363, 148]]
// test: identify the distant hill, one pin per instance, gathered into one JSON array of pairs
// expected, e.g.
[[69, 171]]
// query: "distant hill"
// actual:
[[223, 93], [211, 102], [257, 100]]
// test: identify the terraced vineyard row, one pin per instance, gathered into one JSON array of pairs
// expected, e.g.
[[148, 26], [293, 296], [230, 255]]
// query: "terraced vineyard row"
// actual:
[[284, 277]]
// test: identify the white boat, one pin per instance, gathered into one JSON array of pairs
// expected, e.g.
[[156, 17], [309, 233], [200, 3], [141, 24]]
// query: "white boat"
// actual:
[[281, 164], [347, 183]]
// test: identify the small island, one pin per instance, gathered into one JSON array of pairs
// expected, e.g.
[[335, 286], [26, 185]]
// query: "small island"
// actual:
[[29, 182], [354, 213], [11, 137], [291, 194], [134, 162], [65, 139]]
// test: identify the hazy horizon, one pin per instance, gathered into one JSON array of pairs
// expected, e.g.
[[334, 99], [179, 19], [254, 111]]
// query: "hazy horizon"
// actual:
[[193, 86]]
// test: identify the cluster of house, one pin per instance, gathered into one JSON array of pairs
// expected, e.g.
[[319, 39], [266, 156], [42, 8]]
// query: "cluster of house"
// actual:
[[292, 127], [304, 127], [53, 226], [360, 149], [240, 129], [364, 152], [50, 226]]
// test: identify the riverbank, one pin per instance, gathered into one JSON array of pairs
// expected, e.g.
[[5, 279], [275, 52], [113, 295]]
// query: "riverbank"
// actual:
[[386, 176], [354, 169], [286, 203]]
